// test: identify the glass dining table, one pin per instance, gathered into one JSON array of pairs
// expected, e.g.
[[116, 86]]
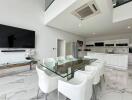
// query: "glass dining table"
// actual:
[[67, 70]]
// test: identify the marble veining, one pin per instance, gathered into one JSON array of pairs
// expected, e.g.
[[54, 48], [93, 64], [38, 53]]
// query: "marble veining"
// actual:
[[24, 86]]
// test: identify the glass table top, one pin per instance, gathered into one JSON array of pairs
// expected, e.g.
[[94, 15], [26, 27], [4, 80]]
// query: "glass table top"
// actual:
[[67, 69]]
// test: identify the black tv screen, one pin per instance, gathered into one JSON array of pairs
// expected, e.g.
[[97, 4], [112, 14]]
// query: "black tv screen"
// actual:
[[12, 37]]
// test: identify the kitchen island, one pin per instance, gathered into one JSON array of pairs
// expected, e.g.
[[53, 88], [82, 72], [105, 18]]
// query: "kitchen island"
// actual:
[[118, 61]]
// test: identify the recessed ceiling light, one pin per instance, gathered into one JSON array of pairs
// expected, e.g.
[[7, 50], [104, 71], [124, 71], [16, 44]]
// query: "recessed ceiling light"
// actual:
[[129, 27]]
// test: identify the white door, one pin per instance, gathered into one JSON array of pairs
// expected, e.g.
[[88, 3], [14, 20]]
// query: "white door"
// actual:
[[60, 47]]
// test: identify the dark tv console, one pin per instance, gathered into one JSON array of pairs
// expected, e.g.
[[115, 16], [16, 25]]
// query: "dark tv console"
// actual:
[[13, 50]]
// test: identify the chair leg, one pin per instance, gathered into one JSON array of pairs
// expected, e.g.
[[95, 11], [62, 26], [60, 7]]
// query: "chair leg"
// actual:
[[46, 95], [5, 97], [94, 93], [104, 78], [92, 97], [100, 84], [38, 93], [58, 95]]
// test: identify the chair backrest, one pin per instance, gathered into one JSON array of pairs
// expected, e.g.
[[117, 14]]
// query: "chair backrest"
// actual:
[[84, 91], [50, 62], [43, 80], [60, 60], [88, 89], [101, 67], [70, 57], [97, 73]]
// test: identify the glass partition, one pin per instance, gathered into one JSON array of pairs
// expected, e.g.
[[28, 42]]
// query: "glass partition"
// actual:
[[48, 3], [117, 3]]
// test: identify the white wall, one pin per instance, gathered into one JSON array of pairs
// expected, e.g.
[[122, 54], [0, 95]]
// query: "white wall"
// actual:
[[56, 8], [122, 12], [29, 14]]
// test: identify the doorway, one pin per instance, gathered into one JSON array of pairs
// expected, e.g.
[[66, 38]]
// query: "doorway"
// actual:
[[60, 47]]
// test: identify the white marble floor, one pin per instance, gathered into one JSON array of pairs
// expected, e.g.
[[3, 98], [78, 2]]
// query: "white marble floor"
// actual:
[[23, 86], [118, 85]]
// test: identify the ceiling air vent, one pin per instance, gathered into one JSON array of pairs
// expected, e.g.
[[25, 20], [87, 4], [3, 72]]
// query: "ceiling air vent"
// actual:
[[86, 10]]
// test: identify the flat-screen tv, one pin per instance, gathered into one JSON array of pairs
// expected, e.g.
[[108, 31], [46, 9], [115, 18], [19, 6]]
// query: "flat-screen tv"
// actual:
[[12, 37], [99, 44]]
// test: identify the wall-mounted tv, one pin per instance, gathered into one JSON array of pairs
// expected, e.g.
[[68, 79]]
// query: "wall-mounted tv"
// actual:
[[12, 37], [99, 44]]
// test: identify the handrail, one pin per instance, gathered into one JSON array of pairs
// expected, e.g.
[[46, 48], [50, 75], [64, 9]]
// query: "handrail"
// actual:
[[117, 3]]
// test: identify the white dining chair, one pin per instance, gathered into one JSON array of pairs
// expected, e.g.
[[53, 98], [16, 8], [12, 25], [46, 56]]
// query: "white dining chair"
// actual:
[[95, 72], [50, 62], [61, 60], [47, 83], [101, 65], [70, 58], [78, 88]]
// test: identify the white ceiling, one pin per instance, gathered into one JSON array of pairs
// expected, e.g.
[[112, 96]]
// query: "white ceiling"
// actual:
[[100, 24]]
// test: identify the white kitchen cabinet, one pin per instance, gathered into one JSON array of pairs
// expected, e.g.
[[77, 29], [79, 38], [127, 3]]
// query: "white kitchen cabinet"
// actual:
[[119, 61], [108, 60], [100, 56], [94, 55], [111, 60], [130, 59]]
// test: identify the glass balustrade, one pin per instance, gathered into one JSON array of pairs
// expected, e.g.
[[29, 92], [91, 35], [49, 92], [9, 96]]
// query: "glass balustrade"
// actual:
[[117, 3], [48, 3]]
